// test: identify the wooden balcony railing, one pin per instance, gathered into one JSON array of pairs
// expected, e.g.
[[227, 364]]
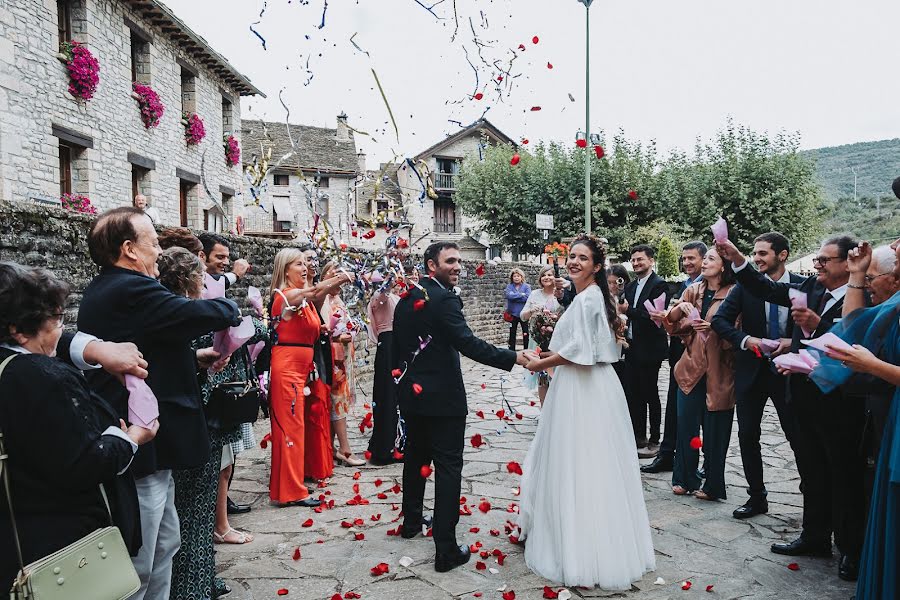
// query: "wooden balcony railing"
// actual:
[[445, 181]]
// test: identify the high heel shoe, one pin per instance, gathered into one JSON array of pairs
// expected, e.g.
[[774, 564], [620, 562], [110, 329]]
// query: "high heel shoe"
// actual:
[[348, 460]]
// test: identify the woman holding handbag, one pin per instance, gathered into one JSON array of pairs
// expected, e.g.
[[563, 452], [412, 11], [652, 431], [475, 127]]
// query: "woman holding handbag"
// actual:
[[62, 441]]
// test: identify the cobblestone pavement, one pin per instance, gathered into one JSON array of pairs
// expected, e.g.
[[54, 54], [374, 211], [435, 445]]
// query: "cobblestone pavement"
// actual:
[[695, 541]]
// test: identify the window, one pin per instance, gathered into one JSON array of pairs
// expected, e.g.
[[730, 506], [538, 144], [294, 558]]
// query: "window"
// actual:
[[382, 203], [65, 169], [447, 170], [282, 214], [444, 216], [138, 179], [323, 182], [213, 220], [322, 205], [227, 116], [64, 20], [188, 92], [281, 179], [186, 190], [140, 59]]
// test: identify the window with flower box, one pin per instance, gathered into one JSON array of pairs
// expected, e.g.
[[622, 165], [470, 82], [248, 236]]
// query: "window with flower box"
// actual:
[[64, 20]]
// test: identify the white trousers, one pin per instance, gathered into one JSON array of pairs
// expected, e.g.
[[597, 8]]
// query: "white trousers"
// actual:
[[161, 536]]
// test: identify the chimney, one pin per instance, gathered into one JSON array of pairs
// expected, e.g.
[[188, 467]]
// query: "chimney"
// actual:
[[343, 131], [361, 162]]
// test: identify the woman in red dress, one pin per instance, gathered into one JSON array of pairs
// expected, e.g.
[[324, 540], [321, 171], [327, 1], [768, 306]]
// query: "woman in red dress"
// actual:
[[299, 400]]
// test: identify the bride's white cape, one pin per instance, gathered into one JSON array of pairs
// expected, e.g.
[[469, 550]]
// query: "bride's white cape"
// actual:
[[582, 507]]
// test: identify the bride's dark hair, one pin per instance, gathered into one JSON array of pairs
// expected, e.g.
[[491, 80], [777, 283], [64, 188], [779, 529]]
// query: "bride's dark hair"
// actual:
[[598, 254]]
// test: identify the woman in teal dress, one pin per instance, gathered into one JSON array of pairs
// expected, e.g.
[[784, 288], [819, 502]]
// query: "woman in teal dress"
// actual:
[[873, 333]]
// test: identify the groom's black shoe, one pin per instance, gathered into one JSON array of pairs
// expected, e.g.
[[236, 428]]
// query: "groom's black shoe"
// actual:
[[445, 562], [801, 547], [751, 509], [660, 464], [407, 532], [848, 568]]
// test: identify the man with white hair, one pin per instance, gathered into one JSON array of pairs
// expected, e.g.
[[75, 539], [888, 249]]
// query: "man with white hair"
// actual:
[[140, 201], [881, 278]]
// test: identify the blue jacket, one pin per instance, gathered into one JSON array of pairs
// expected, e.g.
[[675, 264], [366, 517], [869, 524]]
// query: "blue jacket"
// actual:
[[516, 298]]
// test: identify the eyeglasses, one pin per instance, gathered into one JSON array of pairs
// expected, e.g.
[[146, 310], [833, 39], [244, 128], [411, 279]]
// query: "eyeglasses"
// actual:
[[61, 319], [870, 278], [823, 260]]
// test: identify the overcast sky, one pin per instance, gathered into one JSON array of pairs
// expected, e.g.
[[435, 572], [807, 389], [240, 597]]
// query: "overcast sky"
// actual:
[[668, 70]]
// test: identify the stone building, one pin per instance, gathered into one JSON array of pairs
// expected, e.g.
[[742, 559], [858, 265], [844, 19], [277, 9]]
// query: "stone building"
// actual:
[[52, 143], [321, 169]]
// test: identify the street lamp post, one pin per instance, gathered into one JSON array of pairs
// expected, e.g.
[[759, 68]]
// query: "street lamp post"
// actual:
[[587, 113]]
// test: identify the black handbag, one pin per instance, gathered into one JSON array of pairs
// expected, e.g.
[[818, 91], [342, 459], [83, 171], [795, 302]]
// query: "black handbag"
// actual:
[[234, 402]]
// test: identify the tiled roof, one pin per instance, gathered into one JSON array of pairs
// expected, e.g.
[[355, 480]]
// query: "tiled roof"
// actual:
[[317, 148], [388, 187], [481, 125]]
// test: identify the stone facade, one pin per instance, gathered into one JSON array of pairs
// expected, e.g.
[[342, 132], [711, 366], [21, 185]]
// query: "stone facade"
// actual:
[[105, 136]]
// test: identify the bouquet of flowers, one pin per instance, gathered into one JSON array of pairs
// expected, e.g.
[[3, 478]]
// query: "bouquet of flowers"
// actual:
[[541, 327]]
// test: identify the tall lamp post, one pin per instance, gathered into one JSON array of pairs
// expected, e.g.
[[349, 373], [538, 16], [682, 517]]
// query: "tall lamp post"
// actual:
[[587, 113]]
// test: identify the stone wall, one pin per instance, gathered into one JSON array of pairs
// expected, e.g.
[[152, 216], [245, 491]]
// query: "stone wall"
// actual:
[[34, 99], [55, 239]]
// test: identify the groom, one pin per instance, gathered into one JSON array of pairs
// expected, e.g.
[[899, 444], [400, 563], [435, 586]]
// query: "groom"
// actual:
[[433, 396]]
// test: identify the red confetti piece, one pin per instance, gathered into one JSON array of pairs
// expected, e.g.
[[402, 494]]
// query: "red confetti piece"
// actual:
[[477, 594], [404, 294], [401, 243], [495, 532], [369, 234], [484, 386], [479, 414], [394, 531], [794, 567], [525, 142], [513, 539], [296, 553], [417, 389], [519, 416], [632, 194], [381, 496], [535, 108], [343, 246], [522, 47], [533, 403], [549, 65], [696, 443], [380, 569], [282, 592], [357, 475], [581, 143], [346, 524], [419, 304], [425, 471], [510, 595], [484, 554], [352, 596], [396, 489], [396, 373], [686, 585], [480, 566], [515, 159], [479, 96], [549, 592], [264, 443], [359, 522], [500, 413], [397, 454], [337, 597], [378, 482], [479, 270], [307, 523], [359, 536], [354, 233], [462, 500], [484, 506], [464, 511], [709, 588], [474, 530], [355, 488], [514, 467], [598, 150], [535, 40]]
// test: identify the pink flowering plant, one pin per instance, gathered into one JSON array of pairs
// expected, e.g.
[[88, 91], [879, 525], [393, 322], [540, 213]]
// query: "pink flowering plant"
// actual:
[[78, 203], [194, 132], [151, 106], [83, 68], [232, 151]]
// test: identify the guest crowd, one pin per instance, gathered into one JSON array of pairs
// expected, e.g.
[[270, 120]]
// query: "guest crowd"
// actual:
[[159, 306]]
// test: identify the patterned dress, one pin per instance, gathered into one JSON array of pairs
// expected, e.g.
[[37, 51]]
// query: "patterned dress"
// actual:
[[193, 568]]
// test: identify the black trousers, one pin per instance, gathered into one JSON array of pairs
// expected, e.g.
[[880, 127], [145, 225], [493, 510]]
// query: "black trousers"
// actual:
[[827, 445], [384, 403], [513, 329], [437, 440], [670, 427], [750, 406], [643, 397]]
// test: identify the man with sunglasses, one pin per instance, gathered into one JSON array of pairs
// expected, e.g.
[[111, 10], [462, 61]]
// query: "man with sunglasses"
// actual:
[[828, 428]]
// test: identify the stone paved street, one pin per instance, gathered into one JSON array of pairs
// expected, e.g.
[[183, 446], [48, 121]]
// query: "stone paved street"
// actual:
[[695, 541]]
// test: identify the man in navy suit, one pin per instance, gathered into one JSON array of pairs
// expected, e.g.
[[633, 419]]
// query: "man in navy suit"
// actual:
[[828, 428], [756, 380]]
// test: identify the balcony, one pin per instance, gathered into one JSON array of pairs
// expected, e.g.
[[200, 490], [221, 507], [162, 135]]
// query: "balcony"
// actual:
[[445, 181]]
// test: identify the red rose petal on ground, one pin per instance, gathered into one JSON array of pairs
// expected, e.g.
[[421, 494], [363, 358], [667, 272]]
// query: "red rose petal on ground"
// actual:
[[357, 475], [533, 403], [480, 566], [394, 531], [479, 414], [794, 567], [417, 389], [419, 304], [686, 585], [549, 592], [484, 506], [425, 471], [581, 143], [514, 467], [318, 509], [380, 569], [484, 554], [359, 522], [510, 595], [337, 597], [519, 416], [474, 530], [515, 159], [355, 488], [307, 523], [479, 96], [352, 596], [484, 386], [696, 443], [376, 517], [709, 588], [359, 537], [476, 440], [535, 108], [381, 496], [495, 532], [513, 539], [346, 524], [296, 553], [428, 532], [396, 489], [500, 559], [477, 594], [282, 592], [378, 482], [500, 413]]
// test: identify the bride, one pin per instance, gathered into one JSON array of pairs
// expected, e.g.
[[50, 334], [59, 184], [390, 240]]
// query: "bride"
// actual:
[[582, 507]]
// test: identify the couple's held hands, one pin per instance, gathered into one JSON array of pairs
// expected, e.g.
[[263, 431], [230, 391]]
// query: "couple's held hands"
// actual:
[[140, 435], [524, 357], [120, 359]]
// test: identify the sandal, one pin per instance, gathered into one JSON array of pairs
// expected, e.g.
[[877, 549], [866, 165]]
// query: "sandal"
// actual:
[[681, 491], [701, 495], [242, 538]]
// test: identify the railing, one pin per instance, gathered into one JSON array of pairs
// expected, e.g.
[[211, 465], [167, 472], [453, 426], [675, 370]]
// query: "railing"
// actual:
[[445, 181]]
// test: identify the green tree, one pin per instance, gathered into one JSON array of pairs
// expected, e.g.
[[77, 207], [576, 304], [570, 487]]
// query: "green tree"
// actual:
[[666, 259]]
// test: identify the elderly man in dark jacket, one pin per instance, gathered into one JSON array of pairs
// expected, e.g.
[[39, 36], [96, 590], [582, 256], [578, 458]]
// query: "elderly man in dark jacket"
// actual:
[[125, 303]]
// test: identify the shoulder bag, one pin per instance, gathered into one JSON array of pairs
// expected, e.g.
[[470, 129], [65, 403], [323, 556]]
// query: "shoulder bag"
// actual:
[[96, 567], [234, 402]]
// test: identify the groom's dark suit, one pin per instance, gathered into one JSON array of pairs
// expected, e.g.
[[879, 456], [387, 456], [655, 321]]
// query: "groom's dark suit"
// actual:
[[828, 429], [436, 416]]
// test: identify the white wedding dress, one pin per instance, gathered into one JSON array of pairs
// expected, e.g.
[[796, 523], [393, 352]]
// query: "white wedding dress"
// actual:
[[582, 504]]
